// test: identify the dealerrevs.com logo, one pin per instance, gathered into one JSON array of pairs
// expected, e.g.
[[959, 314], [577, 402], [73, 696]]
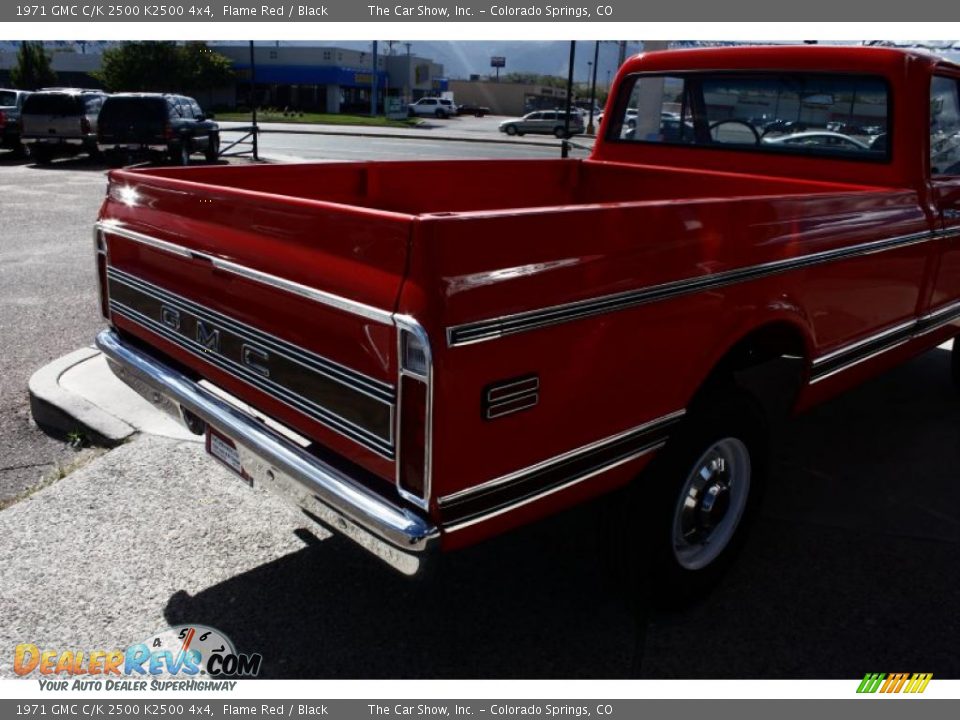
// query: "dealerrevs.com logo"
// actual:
[[185, 657], [887, 683]]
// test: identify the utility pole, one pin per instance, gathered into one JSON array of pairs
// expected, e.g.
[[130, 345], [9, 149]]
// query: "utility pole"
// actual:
[[593, 87], [373, 83], [406, 85], [565, 147], [253, 101]]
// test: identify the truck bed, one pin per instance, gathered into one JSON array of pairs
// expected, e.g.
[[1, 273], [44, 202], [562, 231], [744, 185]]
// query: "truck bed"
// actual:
[[457, 186]]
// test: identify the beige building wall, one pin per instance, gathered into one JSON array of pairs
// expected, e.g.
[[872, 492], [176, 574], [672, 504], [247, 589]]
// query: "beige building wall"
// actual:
[[504, 98]]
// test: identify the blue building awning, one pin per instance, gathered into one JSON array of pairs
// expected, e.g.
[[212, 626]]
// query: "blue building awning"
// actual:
[[312, 75]]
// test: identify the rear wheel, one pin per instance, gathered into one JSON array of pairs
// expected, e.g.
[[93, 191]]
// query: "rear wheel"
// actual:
[[212, 153], [41, 155], [440, 114], [684, 520], [118, 158], [559, 133], [180, 153], [511, 130]]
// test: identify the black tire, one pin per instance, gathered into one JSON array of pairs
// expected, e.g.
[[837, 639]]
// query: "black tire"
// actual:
[[118, 158], [440, 114], [652, 555], [180, 153], [41, 155], [559, 133], [212, 153], [955, 361], [511, 130]]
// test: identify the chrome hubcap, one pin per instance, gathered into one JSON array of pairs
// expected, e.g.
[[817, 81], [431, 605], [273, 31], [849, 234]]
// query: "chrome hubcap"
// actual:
[[711, 503]]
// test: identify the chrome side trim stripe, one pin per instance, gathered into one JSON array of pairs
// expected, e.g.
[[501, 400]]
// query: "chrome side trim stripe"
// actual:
[[893, 333], [502, 494], [875, 345], [482, 330], [941, 316], [385, 317]]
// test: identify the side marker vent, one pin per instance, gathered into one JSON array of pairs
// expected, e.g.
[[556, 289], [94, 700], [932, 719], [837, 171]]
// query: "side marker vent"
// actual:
[[509, 396]]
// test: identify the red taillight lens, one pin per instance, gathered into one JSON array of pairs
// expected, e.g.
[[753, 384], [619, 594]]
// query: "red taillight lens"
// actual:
[[3, 119], [413, 434], [167, 132], [84, 125]]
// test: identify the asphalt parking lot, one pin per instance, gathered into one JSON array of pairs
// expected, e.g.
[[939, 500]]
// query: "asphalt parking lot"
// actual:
[[850, 569]]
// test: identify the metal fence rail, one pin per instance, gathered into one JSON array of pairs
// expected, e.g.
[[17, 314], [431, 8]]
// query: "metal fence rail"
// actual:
[[247, 140]]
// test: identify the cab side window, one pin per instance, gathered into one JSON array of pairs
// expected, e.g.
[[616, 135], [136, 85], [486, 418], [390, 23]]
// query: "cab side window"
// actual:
[[944, 126]]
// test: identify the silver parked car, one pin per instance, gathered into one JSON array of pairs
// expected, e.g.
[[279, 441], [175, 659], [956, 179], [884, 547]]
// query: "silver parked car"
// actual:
[[61, 121], [545, 122], [11, 105], [433, 107]]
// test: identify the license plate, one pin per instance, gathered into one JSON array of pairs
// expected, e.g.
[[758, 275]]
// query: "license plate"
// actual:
[[225, 450]]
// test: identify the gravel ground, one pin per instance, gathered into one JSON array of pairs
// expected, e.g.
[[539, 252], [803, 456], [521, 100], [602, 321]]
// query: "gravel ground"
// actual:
[[48, 300]]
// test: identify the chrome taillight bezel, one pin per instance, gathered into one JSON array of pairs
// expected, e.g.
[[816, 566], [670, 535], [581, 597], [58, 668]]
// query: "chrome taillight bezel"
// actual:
[[410, 331]]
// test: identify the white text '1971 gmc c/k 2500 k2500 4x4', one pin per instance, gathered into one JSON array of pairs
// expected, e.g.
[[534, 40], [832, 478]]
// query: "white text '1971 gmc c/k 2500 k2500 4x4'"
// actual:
[[426, 354]]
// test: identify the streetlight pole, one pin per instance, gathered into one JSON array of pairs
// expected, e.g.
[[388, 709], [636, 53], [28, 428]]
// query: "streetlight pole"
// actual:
[[593, 87]]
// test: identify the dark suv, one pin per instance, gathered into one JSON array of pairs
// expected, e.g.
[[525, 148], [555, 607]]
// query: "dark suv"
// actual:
[[11, 104], [61, 121], [173, 126]]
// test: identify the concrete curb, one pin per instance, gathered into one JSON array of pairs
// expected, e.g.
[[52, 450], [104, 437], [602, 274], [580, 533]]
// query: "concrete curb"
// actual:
[[61, 412]]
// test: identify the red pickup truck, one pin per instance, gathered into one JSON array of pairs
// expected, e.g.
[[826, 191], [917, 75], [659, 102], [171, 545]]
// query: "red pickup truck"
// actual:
[[426, 354]]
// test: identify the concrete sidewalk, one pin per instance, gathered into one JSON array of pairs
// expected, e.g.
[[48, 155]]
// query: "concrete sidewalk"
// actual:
[[78, 396]]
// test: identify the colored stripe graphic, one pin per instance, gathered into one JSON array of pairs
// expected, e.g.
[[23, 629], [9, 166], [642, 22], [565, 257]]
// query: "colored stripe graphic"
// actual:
[[894, 683]]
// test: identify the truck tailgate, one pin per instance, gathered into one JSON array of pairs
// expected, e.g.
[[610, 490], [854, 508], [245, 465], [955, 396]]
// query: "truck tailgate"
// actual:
[[285, 303]]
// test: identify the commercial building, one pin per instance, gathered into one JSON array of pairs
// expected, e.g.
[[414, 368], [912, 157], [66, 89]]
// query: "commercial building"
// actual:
[[506, 98], [318, 79], [327, 79], [73, 68]]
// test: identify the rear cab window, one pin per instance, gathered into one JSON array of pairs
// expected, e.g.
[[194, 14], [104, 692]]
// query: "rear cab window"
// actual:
[[837, 116]]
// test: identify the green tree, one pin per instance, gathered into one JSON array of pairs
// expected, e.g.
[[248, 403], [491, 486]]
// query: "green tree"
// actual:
[[32, 69], [139, 66], [163, 67], [203, 69]]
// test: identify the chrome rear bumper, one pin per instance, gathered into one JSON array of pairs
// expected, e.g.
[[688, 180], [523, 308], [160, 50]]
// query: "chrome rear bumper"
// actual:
[[395, 534]]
